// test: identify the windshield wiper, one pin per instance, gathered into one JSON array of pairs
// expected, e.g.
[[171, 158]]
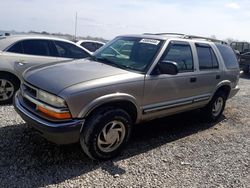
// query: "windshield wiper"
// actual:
[[109, 62]]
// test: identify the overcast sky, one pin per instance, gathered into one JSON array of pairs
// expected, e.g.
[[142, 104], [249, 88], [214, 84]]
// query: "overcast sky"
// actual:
[[109, 18]]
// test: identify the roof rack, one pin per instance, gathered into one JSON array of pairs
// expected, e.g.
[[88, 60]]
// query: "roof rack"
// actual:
[[177, 34], [184, 36], [204, 38]]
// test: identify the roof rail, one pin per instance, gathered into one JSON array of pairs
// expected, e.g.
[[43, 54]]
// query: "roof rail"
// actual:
[[204, 38], [184, 36], [178, 34]]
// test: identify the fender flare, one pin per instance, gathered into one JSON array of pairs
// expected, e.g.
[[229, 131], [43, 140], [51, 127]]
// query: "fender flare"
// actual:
[[108, 99]]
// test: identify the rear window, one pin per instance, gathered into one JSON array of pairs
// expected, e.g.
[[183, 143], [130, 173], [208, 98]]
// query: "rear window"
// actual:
[[228, 56]]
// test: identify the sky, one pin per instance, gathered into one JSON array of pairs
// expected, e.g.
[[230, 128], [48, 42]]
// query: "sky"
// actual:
[[109, 18]]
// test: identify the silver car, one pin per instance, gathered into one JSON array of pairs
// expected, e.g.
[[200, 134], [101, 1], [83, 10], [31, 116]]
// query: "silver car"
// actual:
[[98, 100], [18, 52]]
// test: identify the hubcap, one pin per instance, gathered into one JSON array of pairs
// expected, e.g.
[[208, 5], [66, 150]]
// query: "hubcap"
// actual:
[[111, 136], [6, 90], [218, 104]]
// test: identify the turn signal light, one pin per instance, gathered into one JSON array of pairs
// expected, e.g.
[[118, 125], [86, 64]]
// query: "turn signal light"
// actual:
[[64, 115]]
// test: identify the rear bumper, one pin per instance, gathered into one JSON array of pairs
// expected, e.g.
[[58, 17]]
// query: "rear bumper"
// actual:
[[233, 92], [60, 133]]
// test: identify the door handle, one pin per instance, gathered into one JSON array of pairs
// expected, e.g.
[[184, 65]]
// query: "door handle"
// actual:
[[193, 79], [21, 62], [217, 77]]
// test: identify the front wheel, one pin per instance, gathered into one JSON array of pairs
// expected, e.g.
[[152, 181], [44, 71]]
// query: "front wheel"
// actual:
[[215, 107], [106, 133]]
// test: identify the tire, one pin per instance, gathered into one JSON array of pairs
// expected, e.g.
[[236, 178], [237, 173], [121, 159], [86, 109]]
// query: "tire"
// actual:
[[93, 140], [211, 112], [8, 87]]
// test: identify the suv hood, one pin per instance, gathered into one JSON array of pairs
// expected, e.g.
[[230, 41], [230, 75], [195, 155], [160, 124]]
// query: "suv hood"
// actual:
[[56, 77]]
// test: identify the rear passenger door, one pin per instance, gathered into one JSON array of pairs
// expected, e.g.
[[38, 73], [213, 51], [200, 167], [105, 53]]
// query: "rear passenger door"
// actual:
[[27, 53], [210, 73]]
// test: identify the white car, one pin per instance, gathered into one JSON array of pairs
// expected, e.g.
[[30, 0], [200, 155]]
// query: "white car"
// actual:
[[19, 52], [90, 45]]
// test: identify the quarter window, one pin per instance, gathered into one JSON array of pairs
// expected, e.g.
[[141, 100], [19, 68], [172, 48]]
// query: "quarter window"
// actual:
[[207, 57], [182, 55]]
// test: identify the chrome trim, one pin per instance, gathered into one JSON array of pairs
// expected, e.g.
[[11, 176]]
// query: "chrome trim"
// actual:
[[36, 102], [69, 123], [168, 105], [201, 99]]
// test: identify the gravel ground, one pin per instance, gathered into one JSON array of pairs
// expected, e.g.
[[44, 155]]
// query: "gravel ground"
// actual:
[[178, 151]]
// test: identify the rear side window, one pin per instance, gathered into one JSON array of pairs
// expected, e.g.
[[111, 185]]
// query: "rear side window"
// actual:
[[182, 55], [207, 57], [68, 50], [36, 47], [228, 56], [16, 48]]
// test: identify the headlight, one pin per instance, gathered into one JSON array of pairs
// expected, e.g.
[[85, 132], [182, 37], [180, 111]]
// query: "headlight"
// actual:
[[51, 99]]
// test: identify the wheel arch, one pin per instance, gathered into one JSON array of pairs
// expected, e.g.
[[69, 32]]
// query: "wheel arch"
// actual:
[[224, 86], [120, 100], [7, 73]]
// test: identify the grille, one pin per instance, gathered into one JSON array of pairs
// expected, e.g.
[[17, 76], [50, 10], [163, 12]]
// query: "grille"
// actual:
[[30, 91]]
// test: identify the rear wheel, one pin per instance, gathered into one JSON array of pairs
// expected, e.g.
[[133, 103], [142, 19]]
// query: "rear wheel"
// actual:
[[216, 106], [8, 87], [106, 133]]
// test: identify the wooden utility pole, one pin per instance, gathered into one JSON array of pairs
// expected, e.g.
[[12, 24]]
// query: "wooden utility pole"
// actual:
[[75, 26]]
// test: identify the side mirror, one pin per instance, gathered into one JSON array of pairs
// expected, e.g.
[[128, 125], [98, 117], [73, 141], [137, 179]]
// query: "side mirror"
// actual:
[[168, 67]]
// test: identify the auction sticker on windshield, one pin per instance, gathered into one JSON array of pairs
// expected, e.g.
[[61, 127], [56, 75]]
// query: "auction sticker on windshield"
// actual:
[[150, 41]]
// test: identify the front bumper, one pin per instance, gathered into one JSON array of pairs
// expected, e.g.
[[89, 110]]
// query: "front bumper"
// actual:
[[233, 92], [58, 132]]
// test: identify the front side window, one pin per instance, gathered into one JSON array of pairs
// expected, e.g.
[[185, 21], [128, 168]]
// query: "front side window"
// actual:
[[207, 57], [68, 50], [182, 55], [130, 53], [36, 47]]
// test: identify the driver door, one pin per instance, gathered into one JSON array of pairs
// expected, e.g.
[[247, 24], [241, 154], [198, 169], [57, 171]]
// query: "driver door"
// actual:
[[165, 94]]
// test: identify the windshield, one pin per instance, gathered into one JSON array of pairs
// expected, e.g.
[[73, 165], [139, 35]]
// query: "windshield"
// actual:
[[131, 53]]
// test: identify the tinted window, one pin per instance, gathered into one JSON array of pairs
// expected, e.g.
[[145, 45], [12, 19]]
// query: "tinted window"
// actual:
[[207, 57], [36, 47], [68, 50], [16, 48], [98, 45], [182, 55], [89, 46], [228, 56]]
